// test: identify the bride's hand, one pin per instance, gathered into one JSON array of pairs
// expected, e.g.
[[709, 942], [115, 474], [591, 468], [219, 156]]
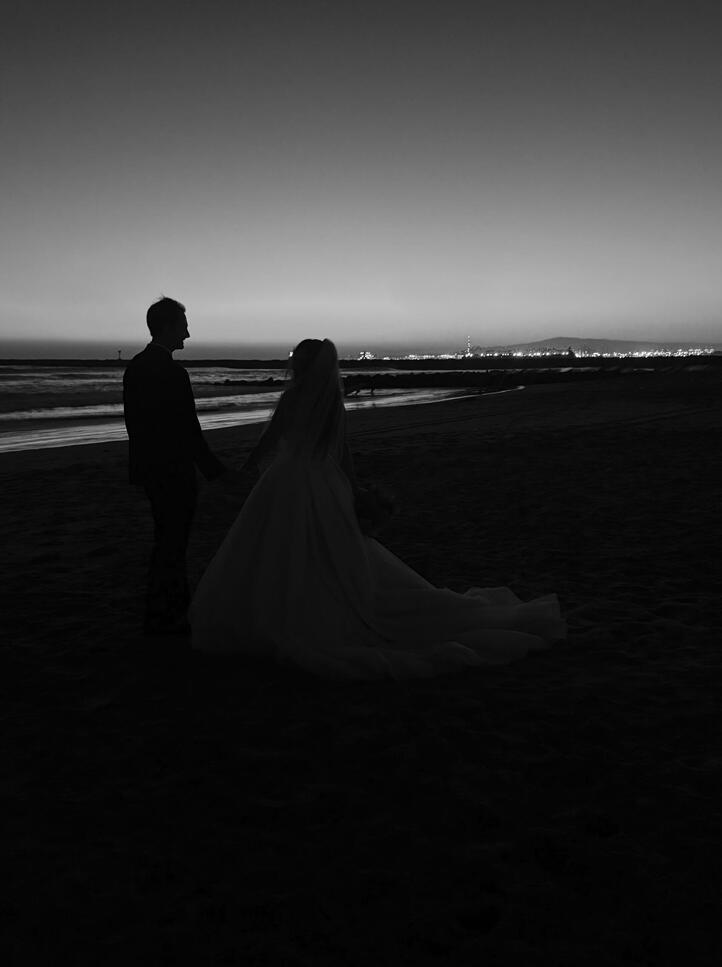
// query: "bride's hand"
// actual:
[[237, 483], [250, 469]]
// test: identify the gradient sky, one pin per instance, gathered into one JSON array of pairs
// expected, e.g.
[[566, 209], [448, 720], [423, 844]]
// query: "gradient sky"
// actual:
[[380, 173]]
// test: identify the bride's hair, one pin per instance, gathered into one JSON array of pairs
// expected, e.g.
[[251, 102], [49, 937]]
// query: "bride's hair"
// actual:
[[314, 399], [301, 359]]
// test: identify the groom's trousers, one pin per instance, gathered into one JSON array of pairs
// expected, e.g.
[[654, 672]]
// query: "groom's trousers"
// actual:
[[173, 504]]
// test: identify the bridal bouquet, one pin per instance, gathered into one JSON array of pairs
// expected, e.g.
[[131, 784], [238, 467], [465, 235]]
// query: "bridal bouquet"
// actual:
[[375, 507]]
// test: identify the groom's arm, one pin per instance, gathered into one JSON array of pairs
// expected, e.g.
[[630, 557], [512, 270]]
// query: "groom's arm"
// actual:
[[206, 461]]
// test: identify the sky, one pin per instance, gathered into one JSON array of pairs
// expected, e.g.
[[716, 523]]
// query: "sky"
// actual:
[[383, 174]]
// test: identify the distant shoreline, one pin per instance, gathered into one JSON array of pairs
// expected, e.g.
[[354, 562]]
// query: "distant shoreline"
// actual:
[[506, 361]]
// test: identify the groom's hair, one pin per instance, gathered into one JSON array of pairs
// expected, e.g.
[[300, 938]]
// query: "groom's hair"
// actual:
[[162, 313]]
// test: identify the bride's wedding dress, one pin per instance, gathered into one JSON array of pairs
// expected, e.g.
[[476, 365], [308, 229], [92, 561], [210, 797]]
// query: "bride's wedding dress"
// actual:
[[295, 580]]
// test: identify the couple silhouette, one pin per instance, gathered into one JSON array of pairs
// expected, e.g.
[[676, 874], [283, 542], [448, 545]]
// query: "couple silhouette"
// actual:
[[298, 579]]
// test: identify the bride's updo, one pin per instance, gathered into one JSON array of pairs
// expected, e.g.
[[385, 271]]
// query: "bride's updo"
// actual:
[[312, 360], [315, 396], [302, 357]]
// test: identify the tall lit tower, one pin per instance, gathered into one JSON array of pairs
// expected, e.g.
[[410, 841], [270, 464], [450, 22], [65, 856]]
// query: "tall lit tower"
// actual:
[[468, 345]]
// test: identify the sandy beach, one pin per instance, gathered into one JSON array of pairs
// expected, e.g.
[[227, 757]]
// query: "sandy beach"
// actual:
[[562, 810]]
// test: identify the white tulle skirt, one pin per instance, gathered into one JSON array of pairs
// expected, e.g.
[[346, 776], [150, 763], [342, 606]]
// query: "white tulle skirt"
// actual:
[[297, 582]]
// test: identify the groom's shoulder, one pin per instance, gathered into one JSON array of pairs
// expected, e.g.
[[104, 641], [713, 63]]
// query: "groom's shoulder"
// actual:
[[145, 356], [145, 367], [152, 358], [153, 367]]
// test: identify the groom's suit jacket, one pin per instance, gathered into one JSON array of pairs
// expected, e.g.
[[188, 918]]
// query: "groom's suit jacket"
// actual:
[[164, 434]]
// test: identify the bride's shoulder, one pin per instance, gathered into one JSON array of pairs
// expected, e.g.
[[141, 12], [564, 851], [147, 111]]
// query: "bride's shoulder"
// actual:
[[285, 406], [287, 399]]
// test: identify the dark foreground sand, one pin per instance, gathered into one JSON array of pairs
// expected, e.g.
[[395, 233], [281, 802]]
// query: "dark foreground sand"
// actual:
[[561, 811]]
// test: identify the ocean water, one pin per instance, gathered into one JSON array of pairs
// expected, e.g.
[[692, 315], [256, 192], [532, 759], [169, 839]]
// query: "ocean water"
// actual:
[[44, 411], [72, 379]]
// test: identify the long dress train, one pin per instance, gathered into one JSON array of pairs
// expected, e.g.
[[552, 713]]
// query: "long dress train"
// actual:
[[295, 580]]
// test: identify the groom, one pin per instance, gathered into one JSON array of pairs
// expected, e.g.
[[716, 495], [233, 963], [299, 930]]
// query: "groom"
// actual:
[[165, 447]]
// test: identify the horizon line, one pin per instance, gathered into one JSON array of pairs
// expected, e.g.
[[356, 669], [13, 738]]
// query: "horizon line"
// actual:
[[227, 344]]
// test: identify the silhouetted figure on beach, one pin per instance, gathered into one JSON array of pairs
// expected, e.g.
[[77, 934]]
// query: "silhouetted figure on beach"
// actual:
[[166, 445]]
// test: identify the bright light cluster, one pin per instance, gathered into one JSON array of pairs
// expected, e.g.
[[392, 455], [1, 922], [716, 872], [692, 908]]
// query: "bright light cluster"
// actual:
[[579, 353]]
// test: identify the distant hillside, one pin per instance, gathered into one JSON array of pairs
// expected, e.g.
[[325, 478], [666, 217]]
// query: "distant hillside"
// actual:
[[562, 343]]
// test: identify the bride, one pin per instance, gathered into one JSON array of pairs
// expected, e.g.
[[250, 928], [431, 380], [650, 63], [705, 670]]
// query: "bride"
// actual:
[[297, 581]]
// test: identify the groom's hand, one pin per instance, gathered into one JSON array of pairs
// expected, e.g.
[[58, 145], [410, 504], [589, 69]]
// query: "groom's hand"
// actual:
[[236, 483]]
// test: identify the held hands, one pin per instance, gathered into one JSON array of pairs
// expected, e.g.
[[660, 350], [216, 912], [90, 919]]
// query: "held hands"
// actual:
[[238, 483]]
